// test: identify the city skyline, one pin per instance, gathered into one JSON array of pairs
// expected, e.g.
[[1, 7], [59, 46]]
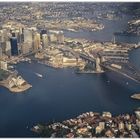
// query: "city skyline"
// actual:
[[59, 60]]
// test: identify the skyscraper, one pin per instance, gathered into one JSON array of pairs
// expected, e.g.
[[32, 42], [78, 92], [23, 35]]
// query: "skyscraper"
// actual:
[[36, 41], [14, 47], [8, 48], [28, 38], [25, 47], [53, 37], [45, 40], [60, 37], [28, 35]]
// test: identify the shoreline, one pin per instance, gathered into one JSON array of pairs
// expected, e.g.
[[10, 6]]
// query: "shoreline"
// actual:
[[92, 124], [89, 72], [15, 89], [136, 96]]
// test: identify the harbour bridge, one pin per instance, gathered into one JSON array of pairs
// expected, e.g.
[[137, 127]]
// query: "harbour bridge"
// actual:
[[122, 67], [104, 62]]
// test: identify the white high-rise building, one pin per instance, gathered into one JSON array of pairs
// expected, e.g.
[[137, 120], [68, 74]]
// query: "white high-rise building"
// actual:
[[60, 37], [8, 48], [28, 35], [37, 43], [53, 37], [45, 40]]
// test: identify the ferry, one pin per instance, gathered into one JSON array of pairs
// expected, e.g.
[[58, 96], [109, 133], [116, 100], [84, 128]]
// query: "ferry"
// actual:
[[39, 75], [72, 30]]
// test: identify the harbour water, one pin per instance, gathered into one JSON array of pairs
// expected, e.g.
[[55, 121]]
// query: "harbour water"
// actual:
[[61, 94]]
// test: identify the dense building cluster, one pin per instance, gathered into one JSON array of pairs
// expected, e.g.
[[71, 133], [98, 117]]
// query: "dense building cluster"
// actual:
[[92, 124], [16, 40]]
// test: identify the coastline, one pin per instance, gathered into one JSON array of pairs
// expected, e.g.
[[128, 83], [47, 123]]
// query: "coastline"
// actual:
[[136, 96], [93, 124], [15, 89]]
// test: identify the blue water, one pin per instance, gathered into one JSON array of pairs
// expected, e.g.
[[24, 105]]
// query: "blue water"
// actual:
[[62, 94]]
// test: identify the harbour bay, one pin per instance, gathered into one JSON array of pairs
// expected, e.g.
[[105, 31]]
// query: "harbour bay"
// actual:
[[62, 94]]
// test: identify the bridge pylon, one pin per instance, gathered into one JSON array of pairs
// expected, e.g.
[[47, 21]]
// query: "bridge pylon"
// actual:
[[98, 67]]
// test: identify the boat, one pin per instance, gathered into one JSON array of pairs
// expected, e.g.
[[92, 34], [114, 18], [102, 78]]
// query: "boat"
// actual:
[[136, 96], [39, 75], [72, 30], [11, 67]]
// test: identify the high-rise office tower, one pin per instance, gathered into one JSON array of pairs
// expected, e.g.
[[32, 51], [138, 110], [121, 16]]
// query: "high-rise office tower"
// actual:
[[8, 48], [60, 37], [45, 40], [21, 35], [28, 35], [25, 47], [5, 34], [53, 37], [14, 46], [37, 44]]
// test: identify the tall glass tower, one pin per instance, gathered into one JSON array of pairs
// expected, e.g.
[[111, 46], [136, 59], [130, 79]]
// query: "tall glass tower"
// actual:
[[14, 47]]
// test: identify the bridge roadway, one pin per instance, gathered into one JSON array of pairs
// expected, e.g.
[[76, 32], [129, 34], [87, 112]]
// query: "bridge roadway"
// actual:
[[127, 69], [77, 54], [88, 58]]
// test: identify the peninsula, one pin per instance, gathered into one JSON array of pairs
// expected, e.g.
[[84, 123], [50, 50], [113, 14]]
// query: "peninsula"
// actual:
[[136, 96], [93, 124]]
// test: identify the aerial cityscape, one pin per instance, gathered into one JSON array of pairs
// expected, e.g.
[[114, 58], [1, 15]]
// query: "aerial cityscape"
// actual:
[[70, 69]]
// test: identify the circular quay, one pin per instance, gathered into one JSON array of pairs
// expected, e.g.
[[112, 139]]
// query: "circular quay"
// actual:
[[69, 69]]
